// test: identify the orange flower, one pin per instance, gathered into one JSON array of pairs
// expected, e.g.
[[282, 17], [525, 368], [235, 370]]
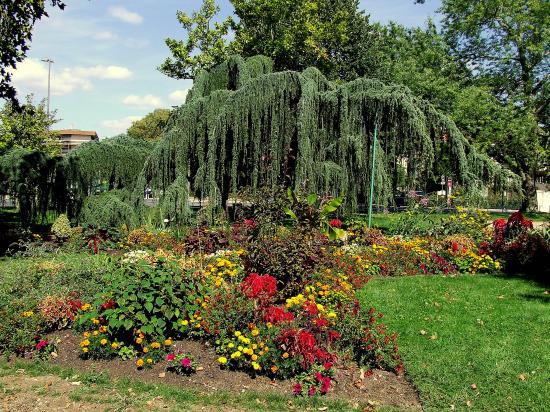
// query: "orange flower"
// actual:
[[274, 369], [139, 363]]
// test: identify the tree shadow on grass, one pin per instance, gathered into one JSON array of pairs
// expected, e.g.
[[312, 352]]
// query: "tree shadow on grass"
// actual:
[[537, 297]]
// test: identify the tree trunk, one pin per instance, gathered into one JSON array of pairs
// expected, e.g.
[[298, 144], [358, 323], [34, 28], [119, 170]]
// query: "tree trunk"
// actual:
[[529, 193]]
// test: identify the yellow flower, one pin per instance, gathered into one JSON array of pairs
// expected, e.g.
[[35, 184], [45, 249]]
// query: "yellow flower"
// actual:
[[269, 325], [222, 360], [85, 342], [155, 345], [139, 340], [237, 334], [185, 322], [27, 314], [255, 332], [86, 334], [139, 363], [145, 350], [103, 342], [254, 357], [103, 329], [115, 345], [285, 355], [149, 360], [236, 355], [231, 345], [331, 315], [168, 342], [95, 321], [254, 346], [85, 307], [95, 333], [85, 350], [256, 366]]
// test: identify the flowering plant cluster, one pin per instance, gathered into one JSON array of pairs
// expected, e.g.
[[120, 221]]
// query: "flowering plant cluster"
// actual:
[[181, 363], [317, 381], [44, 350], [59, 311]]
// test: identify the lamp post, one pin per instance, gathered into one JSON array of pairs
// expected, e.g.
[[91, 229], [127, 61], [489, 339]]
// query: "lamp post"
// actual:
[[49, 61]]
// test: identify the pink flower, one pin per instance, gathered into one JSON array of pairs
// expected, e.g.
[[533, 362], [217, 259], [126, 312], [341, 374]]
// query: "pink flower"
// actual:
[[311, 391], [186, 363], [170, 357], [297, 390], [318, 376], [41, 344]]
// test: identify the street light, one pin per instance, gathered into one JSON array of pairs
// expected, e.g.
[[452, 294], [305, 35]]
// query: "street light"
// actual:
[[49, 61]]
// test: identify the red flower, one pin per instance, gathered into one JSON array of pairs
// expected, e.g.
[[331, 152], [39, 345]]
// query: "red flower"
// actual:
[[108, 304], [306, 341], [311, 391], [321, 322], [328, 365], [255, 286], [170, 357], [41, 344], [250, 223], [297, 390], [337, 223], [277, 315], [310, 308], [318, 376], [326, 385]]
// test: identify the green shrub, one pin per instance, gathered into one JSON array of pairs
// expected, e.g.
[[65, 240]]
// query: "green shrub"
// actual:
[[144, 297], [61, 228]]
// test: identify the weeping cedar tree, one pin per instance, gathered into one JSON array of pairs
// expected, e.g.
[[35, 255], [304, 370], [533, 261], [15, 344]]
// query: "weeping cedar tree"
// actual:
[[68, 185], [245, 126]]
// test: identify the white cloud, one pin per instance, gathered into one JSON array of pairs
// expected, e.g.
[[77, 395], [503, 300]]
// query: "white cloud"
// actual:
[[143, 102], [104, 35], [178, 96], [102, 72], [125, 15], [120, 125], [32, 75]]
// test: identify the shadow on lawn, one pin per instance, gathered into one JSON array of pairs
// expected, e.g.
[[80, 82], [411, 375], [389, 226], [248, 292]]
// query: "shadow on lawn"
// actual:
[[540, 298]]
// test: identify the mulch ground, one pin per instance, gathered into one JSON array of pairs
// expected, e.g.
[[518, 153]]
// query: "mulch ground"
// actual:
[[380, 389]]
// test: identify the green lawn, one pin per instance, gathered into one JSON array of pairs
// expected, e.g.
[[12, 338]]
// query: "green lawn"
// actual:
[[490, 332]]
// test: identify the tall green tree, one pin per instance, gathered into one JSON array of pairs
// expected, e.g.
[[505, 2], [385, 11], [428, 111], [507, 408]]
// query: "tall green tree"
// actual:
[[297, 34], [17, 19], [28, 127], [206, 44], [151, 126], [507, 45], [332, 35]]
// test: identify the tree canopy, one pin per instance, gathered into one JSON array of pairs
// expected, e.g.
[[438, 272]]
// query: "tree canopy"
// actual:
[[17, 19], [246, 126], [28, 127], [151, 126]]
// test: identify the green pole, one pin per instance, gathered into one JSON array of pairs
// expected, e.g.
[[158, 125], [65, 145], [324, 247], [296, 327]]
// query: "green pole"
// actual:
[[372, 174]]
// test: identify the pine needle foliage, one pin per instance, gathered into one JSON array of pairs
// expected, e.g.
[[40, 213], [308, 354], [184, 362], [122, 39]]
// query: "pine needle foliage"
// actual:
[[244, 126]]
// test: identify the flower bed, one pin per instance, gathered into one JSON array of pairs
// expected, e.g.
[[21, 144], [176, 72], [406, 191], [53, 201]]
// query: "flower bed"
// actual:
[[279, 303]]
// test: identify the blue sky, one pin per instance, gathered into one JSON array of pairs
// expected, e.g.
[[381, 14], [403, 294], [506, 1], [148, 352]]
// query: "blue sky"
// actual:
[[106, 53]]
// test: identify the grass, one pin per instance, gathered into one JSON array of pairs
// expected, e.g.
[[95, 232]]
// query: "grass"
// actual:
[[490, 332], [125, 393]]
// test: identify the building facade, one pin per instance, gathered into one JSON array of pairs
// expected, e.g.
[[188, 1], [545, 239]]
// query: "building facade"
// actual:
[[72, 138]]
